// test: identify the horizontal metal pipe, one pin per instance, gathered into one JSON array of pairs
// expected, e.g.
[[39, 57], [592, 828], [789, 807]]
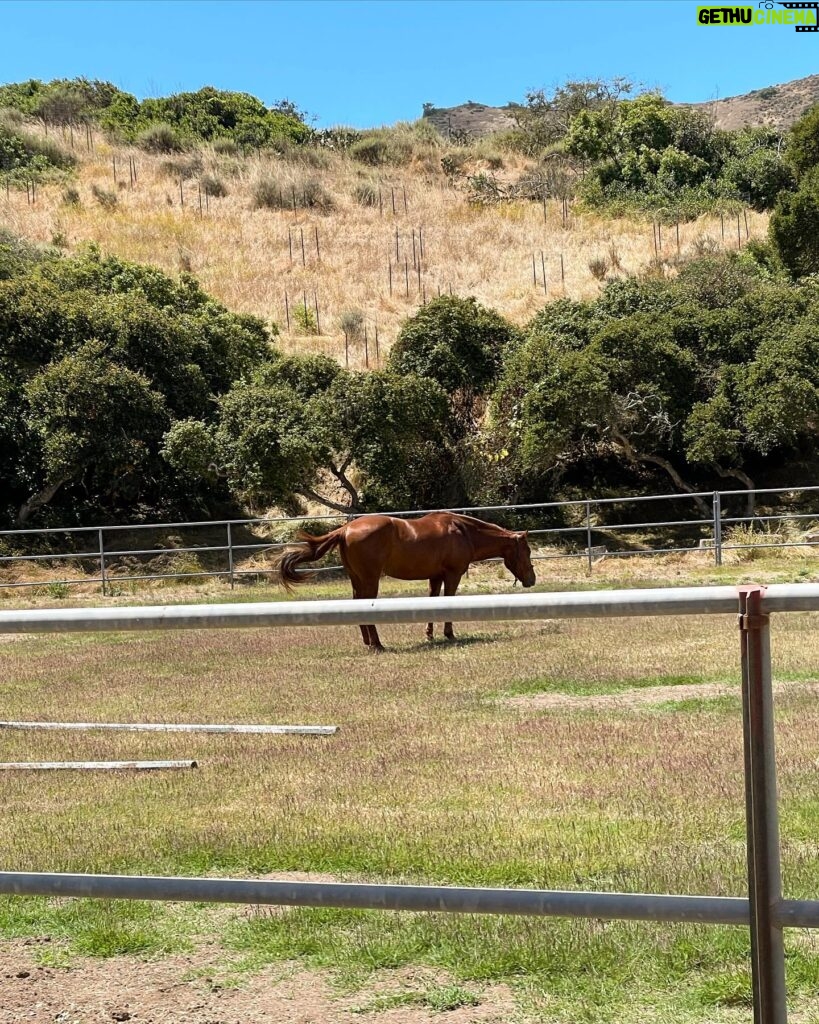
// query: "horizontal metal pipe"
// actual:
[[476, 608], [276, 730], [765, 519], [40, 766], [49, 558], [447, 899], [797, 913]]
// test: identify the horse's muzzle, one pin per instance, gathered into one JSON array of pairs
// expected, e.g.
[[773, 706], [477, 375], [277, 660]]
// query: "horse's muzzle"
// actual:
[[529, 581]]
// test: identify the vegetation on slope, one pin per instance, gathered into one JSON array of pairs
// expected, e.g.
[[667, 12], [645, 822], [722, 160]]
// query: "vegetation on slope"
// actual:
[[127, 393]]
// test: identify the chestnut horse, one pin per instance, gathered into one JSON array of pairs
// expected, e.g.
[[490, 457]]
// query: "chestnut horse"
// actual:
[[438, 547]]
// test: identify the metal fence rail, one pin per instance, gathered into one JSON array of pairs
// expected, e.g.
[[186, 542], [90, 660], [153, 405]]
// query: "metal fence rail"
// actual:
[[576, 541], [765, 909]]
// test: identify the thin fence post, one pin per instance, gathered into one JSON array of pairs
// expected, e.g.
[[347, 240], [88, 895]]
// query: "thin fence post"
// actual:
[[230, 554], [717, 507], [588, 537], [762, 818], [102, 561]]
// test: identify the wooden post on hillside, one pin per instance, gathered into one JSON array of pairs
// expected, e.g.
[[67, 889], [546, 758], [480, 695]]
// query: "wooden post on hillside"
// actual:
[[543, 269], [406, 275], [318, 321], [318, 250], [303, 254], [287, 310]]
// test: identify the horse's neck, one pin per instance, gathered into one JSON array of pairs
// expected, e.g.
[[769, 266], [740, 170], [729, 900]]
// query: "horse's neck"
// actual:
[[487, 542]]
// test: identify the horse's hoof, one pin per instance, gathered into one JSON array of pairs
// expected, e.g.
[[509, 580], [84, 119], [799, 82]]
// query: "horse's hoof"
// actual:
[[450, 637], [373, 649], [429, 638]]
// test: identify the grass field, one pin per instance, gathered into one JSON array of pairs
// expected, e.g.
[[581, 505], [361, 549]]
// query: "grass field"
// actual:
[[449, 767]]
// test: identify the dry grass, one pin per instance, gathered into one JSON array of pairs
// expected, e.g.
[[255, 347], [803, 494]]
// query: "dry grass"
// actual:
[[242, 254]]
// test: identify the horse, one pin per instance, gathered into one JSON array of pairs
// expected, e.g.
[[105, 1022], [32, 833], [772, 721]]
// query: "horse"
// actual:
[[438, 547]]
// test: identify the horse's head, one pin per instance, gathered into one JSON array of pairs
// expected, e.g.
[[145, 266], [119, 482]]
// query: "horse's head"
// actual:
[[518, 559]]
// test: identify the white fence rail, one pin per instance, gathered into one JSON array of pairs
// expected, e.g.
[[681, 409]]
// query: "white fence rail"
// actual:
[[587, 527], [765, 909]]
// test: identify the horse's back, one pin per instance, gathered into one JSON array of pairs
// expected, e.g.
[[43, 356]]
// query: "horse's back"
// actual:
[[411, 549]]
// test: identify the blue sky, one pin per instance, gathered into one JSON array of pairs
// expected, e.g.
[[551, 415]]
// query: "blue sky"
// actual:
[[368, 62]]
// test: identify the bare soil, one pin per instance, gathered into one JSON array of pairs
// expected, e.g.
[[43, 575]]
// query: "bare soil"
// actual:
[[187, 990]]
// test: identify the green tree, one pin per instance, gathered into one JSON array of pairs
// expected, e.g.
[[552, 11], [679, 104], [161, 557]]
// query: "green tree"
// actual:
[[802, 151], [459, 344], [93, 420], [75, 327], [304, 429], [794, 226]]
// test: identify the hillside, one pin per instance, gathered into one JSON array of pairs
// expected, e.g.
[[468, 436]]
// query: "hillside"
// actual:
[[250, 257], [776, 105]]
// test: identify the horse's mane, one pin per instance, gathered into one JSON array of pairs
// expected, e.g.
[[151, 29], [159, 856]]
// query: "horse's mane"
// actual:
[[480, 523]]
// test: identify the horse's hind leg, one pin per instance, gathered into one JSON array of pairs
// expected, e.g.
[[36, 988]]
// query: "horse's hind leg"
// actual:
[[363, 590], [434, 590], [451, 581]]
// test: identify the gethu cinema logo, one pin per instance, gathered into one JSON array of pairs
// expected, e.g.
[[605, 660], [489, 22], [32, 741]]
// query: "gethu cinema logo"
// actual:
[[803, 16]]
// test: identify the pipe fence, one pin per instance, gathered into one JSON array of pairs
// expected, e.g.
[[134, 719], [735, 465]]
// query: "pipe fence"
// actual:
[[765, 909], [585, 533]]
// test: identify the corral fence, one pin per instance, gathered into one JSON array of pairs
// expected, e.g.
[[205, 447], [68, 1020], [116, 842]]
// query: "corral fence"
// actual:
[[584, 529], [764, 910]]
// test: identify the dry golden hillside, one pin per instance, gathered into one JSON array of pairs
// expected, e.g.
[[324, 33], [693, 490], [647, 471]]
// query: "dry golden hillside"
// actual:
[[251, 258]]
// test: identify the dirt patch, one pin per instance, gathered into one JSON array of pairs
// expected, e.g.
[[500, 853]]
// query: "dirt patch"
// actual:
[[641, 696], [187, 990]]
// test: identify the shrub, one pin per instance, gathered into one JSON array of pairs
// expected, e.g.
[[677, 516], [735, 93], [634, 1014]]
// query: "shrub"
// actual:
[[305, 319], [185, 167], [225, 147], [267, 193], [351, 322], [160, 138], [383, 146], [599, 267], [270, 193], [213, 186], [107, 200], [71, 196], [365, 194]]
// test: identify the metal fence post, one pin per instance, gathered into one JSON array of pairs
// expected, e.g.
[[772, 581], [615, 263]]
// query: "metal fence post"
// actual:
[[588, 536], [102, 561], [762, 818], [717, 506], [230, 553]]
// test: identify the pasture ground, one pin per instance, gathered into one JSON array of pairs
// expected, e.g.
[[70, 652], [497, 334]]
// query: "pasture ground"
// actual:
[[590, 754]]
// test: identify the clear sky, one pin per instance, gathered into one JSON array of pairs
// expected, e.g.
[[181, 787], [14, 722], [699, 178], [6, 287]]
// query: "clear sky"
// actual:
[[370, 62]]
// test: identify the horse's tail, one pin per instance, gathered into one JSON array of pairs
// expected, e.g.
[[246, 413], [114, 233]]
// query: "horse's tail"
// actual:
[[311, 549]]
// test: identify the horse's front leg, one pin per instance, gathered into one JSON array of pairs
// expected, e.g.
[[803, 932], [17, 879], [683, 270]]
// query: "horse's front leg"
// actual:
[[451, 581], [435, 585]]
